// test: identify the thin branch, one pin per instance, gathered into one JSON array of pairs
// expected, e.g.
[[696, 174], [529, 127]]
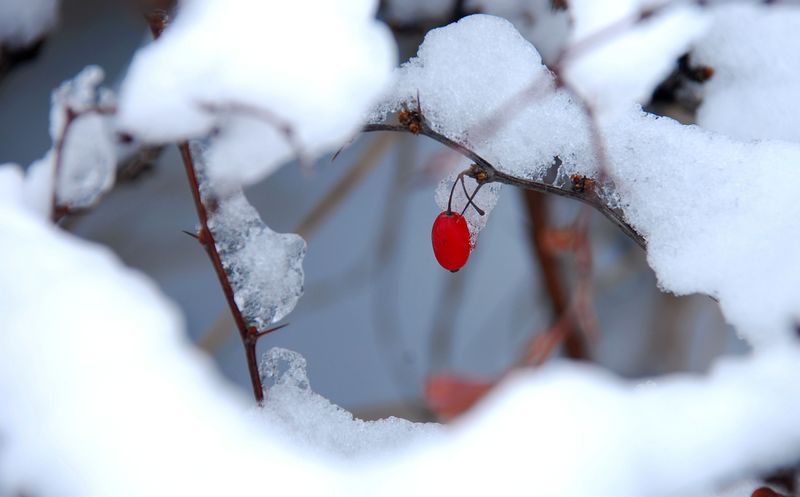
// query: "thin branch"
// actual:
[[158, 20], [493, 175], [206, 238], [551, 274]]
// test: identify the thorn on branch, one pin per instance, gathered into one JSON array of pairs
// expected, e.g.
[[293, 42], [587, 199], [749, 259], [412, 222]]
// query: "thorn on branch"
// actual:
[[258, 334]]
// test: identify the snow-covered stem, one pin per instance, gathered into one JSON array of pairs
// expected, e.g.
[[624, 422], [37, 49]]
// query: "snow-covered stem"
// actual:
[[492, 175], [157, 21], [249, 335], [57, 212]]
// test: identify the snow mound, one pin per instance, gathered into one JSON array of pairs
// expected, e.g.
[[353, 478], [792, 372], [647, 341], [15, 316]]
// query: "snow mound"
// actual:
[[313, 423]]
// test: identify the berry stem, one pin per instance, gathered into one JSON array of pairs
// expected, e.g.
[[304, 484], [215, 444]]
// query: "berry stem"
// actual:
[[470, 200], [460, 178], [452, 190]]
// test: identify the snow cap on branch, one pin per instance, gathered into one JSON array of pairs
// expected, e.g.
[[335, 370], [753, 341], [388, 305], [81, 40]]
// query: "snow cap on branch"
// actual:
[[275, 77], [715, 218]]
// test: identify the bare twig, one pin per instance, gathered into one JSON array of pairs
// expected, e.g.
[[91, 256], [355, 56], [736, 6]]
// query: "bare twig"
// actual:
[[157, 21]]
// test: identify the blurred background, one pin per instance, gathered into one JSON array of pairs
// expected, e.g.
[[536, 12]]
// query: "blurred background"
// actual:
[[379, 315]]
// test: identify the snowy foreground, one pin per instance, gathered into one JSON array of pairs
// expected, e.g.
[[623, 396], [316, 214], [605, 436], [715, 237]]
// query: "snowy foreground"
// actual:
[[101, 394], [156, 420]]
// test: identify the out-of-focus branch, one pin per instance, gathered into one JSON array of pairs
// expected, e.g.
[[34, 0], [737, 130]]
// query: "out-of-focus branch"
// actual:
[[11, 58], [551, 274], [352, 178]]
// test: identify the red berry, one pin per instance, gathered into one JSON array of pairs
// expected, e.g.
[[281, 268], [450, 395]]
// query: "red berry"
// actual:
[[451, 242]]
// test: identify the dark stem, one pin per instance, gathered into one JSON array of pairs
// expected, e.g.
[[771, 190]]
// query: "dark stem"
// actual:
[[57, 211], [492, 174], [206, 238], [471, 198], [452, 190], [157, 20]]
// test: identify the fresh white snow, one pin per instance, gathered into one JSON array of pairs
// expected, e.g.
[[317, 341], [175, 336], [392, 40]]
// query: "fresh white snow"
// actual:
[[313, 67], [717, 213]]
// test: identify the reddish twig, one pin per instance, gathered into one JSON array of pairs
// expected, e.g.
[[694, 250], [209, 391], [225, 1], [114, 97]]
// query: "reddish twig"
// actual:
[[157, 21], [551, 274], [249, 335]]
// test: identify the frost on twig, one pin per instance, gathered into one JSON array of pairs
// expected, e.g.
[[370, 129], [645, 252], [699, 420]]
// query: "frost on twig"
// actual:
[[264, 268]]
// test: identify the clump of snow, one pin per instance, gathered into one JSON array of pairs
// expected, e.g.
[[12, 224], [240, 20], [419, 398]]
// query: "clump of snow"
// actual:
[[616, 57], [24, 21], [311, 422], [86, 150], [547, 28], [753, 51], [38, 186], [88, 162], [717, 214], [482, 84], [313, 66], [88, 153], [101, 392], [684, 435], [265, 268], [485, 199], [78, 95]]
